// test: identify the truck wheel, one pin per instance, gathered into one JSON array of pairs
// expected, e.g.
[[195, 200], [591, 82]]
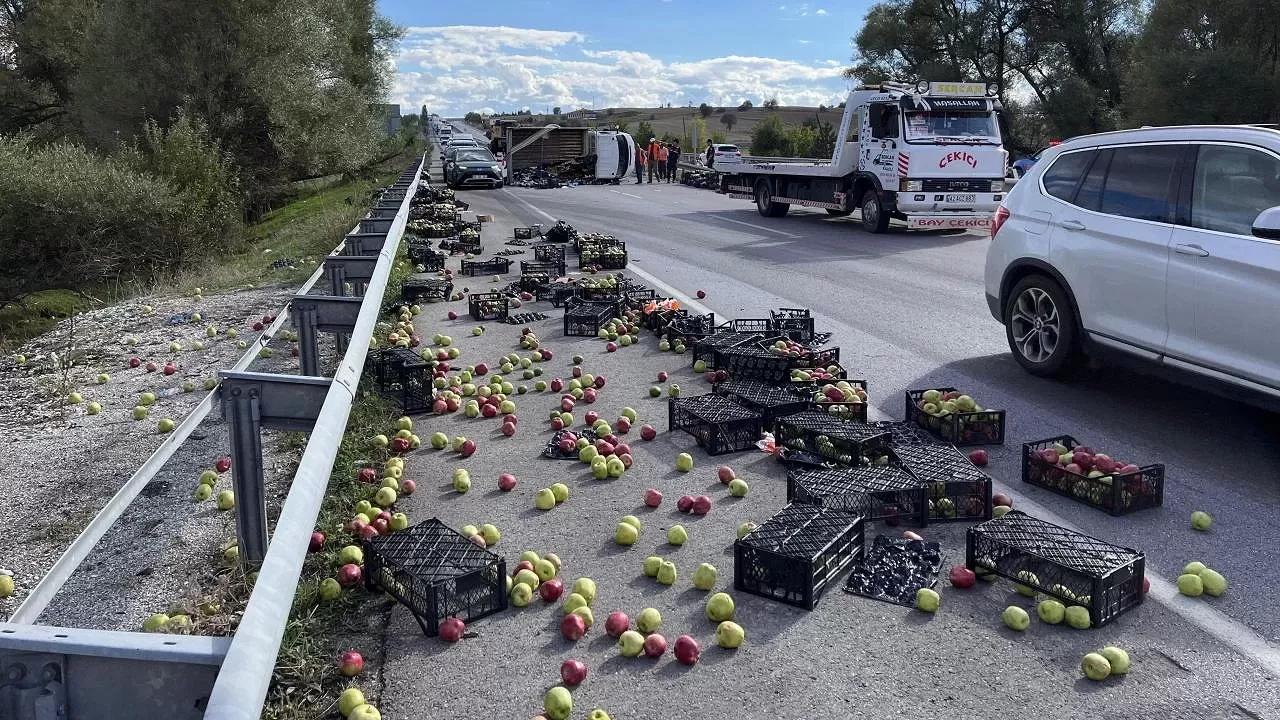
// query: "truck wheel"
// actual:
[[767, 207], [874, 218]]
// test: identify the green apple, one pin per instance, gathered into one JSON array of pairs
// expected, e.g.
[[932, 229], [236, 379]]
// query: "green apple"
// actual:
[[491, 536], [155, 623], [543, 567], [655, 391], [203, 492], [20, 359], [330, 589], [351, 555], [540, 386], [1051, 611], [684, 462], [667, 573], [598, 714], [364, 507], [140, 413], [738, 487], [1078, 617], [677, 535], [147, 399], [1016, 618], [386, 497], [1194, 567], [1000, 511], [626, 534], [103, 378], [586, 587], [674, 390], [93, 408], [699, 366], [531, 556], [462, 483], [629, 414], [1201, 520], [470, 530], [560, 491], [165, 425], [704, 578], [745, 529], [1028, 577], [584, 612], [226, 500], [1190, 584], [349, 700], [400, 521], [554, 559], [1118, 658], [521, 594], [632, 520], [188, 386], [545, 499], [211, 331], [730, 635], [210, 383], [720, 607], [1213, 582], [264, 352], [927, 600], [631, 643], [614, 467], [573, 602], [528, 577], [588, 453], [1095, 666], [652, 564], [649, 620]]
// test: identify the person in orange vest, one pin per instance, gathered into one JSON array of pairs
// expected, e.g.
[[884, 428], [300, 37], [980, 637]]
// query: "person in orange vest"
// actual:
[[662, 162], [655, 148], [640, 154]]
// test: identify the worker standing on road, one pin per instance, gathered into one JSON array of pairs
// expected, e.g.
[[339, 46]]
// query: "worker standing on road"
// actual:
[[673, 159], [662, 161], [654, 149], [711, 155], [639, 164]]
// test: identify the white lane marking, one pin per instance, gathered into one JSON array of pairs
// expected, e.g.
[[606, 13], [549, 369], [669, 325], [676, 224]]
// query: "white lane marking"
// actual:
[[757, 227], [619, 192], [1229, 632]]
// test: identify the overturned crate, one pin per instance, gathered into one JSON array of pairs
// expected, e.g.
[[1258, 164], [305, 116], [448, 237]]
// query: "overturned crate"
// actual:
[[876, 492], [402, 375], [958, 490], [437, 573], [422, 287], [771, 401], [488, 306], [719, 424], [584, 318], [1074, 568], [492, 266], [549, 253], [688, 329], [705, 348], [420, 253], [844, 441], [796, 554], [794, 323]]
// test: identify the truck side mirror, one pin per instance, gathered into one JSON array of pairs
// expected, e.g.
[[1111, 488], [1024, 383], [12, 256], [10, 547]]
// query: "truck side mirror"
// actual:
[[1267, 224]]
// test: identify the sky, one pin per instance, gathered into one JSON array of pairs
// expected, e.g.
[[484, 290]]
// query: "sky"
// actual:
[[505, 55]]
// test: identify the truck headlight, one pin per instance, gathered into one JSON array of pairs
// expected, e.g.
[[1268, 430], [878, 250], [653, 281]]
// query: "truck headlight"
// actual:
[[997, 186], [910, 185]]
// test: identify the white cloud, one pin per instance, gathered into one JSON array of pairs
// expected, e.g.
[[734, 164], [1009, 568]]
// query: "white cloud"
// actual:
[[820, 11], [456, 69]]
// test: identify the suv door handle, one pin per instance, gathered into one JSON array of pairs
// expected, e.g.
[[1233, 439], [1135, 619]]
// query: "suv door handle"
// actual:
[[1195, 250], [1072, 224]]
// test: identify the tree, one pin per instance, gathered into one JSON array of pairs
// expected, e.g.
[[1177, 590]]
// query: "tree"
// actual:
[[644, 131], [728, 120], [769, 138], [555, 110], [473, 118], [771, 104], [746, 105], [705, 110]]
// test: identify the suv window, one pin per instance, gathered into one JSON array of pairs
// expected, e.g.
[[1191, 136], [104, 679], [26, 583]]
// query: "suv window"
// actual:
[[1063, 176], [1232, 185], [1139, 181]]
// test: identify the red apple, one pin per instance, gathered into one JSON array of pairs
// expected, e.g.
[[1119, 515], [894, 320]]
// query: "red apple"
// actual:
[[961, 577], [652, 497], [556, 385], [557, 423], [1146, 585], [591, 417], [380, 525], [647, 432], [317, 542], [453, 405], [1104, 463], [507, 482], [702, 294], [354, 526], [623, 425], [626, 459], [573, 672], [468, 448], [152, 367], [611, 347], [440, 407], [222, 464], [350, 664], [687, 650], [1049, 455], [170, 368], [701, 505], [979, 457], [368, 532], [350, 575], [909, 535], [400, 445], [566, 445], [589, 395], [1084, 460], [482, 369], [488, 410], [617, 623], [662, 376], [1002, 499], [655, 646], [566, 404], [258, 326], [452, 629], [573, 627], [510, 418], [479, 540], [620, 448], [367, 475], [522, 565], [135, 362], [726, 474], [685, 503], [384, 516], [546, 353], [604, 447], [551, 590], [452, 315], [576, 372], [1073, 468], [407, 487], [600, 381]]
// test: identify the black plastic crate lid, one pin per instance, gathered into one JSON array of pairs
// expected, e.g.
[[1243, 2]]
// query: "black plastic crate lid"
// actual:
[[1068, 548], [431, 551], [801, 531], [762, 393], [938, 463], [864, 479], [713, 408], [825, 423]]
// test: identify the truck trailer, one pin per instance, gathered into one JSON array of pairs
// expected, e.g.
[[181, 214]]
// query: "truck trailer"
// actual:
[[928, 154]]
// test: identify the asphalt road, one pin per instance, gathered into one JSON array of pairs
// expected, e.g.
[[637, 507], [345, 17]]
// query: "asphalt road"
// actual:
[[907, 312]]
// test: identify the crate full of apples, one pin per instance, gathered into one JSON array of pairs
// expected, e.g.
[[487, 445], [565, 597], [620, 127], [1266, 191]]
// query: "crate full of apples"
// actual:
[[844, 398], [803, 356], [955, 417], [1065, 466]]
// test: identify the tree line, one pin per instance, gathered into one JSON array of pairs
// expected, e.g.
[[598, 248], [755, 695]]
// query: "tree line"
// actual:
[[1070, 67], [213, 108]]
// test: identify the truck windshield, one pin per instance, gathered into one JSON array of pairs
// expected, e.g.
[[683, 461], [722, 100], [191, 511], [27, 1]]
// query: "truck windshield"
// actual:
[[965, 126]]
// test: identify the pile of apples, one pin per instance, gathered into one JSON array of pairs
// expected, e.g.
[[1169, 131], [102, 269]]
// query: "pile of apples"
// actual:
[[940, 404], [1087, 474], [841, 393], [401, 333], [620, 332], [831, 373]]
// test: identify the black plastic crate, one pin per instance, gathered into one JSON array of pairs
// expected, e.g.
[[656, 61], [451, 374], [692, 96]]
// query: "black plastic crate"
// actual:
[[760, 326], [961, 428], [771, 401], [796, 554], [752, 362], [720, 425], [594, 289], [561, 293], [958, 490], [527, 233], [420, 287], [1115, 493], [488, 306], [538, 283], [638, 298], [705, 348], [844, 441], [402, 375], [1074, 568], [492, 266], [906, 433], [606, 257], [661, 317], [795, 323], [688, 329], [554, 268], [875, 492], [436, 573], [549, 253], [584, 318], [455, 246], [594, 239]]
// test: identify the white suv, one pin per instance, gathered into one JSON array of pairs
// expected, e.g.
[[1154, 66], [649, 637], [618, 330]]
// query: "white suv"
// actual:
[[1163, 243]]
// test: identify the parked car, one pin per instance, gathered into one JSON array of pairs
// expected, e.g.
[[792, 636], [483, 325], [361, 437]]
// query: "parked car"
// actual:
[[1160, 243], [724, 155], [473, 166]]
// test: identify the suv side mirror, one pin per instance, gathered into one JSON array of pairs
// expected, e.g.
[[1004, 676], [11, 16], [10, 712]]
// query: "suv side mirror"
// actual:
[[1267, 224]]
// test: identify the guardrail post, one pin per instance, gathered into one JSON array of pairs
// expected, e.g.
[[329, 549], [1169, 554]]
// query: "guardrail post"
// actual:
[[251, 402], [376, 225], [343, 269], [362, 243], [314, 314]]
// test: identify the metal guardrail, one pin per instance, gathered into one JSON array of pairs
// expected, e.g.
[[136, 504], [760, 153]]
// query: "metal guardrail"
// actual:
[[54, 673]]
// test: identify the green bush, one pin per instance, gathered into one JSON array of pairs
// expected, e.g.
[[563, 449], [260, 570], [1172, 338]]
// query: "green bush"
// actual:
[[71, 218]]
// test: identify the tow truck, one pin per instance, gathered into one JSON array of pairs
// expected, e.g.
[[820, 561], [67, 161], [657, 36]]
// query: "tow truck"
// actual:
[[928, 154]]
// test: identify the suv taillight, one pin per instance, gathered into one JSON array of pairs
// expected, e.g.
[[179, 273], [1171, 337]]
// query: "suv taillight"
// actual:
[[1002, 214]]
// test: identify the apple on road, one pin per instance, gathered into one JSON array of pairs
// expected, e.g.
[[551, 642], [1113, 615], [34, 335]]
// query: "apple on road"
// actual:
[[351, 663], [652, 497], [573, 671]]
